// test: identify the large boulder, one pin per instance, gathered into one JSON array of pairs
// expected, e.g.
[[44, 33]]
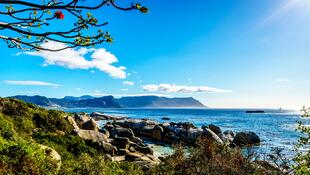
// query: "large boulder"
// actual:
[[105, 132], [101, 116], [208, 133], [137, 141], [193, 134], [73, 123], [123, 132], [121, 142], [217, 130], [81, 117], [134, 124], [171, 137], [91, 135], [175, 129], [229, 133], [90, 125], [227, 136], [157, 132], [108, 148], [246, 139], [105, 147], [185, 125], [52, 154], [147, 131]]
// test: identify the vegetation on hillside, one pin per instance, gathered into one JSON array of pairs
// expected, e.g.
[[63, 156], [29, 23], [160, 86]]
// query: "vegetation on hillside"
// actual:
[[29, 134], [214, 159], [302, 158], [25, 127]]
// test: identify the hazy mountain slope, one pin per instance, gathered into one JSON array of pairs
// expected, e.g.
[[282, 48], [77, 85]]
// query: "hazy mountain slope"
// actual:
[[111, 102], [155, 101]]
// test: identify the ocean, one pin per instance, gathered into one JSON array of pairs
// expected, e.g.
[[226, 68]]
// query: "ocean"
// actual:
[[276, 128]]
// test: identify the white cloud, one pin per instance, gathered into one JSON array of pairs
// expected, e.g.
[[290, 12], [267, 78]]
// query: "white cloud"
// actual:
[[31, 83], [97, 91], [98, 94], [171, 88], [124, 89], [282, 80], [129, 83], [139, 95], [77, 89], [75, 59]]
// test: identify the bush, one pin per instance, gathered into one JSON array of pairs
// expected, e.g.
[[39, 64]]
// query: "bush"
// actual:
[[68, 146], [6, 129], [302, 159], [88, 165], [208, 158], [24, 157], [51, 120]]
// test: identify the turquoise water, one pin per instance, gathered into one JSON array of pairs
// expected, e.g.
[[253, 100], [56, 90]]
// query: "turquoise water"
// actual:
[[276, 128]]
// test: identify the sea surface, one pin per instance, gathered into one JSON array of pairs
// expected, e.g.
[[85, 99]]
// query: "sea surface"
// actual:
[[276, 128]]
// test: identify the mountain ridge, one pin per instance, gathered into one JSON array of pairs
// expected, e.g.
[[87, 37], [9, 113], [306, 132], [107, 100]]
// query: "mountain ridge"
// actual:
[[112, 102]]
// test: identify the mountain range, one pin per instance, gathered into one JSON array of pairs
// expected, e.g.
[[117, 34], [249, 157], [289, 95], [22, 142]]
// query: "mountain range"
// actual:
[[111, 102]]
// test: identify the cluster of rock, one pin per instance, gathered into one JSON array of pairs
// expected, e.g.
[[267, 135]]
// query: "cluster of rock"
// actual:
[[120, 138], [117, 144], [183, 132]]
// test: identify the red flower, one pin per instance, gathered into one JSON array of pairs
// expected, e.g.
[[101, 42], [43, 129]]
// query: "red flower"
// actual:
[[59, 15]]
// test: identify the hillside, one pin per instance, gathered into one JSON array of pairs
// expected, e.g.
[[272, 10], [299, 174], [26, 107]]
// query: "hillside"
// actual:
[[37, 141], [111, 102], [155, 101]]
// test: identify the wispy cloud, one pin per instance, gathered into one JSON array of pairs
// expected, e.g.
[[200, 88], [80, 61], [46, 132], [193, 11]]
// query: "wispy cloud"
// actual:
[[126, 95], [285, 7], [171, 88], [31, 83], [128, 83], [282, 80], [75, 59]]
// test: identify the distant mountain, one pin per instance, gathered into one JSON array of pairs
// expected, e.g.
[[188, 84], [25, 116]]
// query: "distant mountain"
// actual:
[[155, 101], [101, 102], [71, 102], [38, 100], [111, 102]]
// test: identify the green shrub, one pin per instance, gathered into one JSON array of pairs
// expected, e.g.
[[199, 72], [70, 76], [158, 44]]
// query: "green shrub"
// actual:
[[302, 159], [24, 157], [13, 107], [97, 165], [6, 129], [68, 146], [209, 158], [51, 120]]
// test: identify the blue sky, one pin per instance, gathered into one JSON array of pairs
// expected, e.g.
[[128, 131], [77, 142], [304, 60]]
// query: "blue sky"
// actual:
[[226, 53]]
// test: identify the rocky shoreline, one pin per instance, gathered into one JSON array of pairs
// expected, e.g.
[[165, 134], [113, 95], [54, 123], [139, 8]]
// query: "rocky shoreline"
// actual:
[[122, 139]]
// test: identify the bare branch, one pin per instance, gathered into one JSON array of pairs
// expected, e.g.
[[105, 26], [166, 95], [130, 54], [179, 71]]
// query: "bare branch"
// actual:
[[24, 23]]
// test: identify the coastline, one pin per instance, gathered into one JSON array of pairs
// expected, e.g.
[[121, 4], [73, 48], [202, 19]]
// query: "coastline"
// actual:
[[232, 119]]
